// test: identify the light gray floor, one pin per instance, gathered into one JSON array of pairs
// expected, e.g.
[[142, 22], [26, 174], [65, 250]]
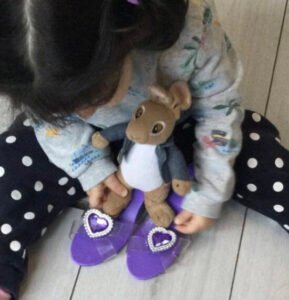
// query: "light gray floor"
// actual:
[[245, 256]]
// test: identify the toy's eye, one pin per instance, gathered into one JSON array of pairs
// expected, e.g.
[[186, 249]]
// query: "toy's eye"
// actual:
[[158, 128], [139, 112]]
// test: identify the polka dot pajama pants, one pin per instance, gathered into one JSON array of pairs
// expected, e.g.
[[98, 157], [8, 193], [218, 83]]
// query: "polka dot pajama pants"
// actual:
[[33, 191], [262, 170]]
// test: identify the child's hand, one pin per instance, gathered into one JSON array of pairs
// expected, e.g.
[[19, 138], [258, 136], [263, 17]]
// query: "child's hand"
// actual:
[[96, 195], [188, 223]]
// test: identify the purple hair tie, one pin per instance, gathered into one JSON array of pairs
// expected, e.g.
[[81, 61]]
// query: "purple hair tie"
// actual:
[[134, 2]]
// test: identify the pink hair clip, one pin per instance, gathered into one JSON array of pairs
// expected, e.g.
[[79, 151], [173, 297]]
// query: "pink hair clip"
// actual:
[[134, 2]]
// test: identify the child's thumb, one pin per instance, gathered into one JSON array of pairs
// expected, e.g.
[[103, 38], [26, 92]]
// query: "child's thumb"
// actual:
[[114, 184], [183, 217]]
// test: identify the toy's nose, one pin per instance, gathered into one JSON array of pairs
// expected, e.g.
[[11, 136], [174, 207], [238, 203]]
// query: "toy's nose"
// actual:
[[135, 136], [135, 139]]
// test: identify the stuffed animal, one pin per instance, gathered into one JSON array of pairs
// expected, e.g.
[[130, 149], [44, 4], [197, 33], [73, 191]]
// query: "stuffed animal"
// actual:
[[149, 159]]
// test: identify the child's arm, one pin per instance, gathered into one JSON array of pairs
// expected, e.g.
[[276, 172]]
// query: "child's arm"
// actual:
[[70, 149], [213, 72]]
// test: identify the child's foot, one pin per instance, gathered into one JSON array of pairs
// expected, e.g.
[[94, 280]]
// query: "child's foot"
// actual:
[[4, 295]]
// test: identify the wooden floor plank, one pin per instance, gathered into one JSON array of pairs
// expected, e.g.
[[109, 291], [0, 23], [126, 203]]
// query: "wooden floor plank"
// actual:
[[262, 271], [254, 27], [204, 272], [52, 273], [278, 109]]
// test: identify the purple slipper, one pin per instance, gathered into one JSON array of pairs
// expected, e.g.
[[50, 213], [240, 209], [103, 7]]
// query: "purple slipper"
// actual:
[[100, 237], [151, 250]]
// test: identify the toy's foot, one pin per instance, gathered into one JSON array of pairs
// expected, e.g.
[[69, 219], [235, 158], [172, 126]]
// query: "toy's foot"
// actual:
[[152, 250], [161, 214], [101, 237], [115, 204]]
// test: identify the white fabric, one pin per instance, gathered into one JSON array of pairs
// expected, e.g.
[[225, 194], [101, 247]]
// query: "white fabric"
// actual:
[[140, 169]]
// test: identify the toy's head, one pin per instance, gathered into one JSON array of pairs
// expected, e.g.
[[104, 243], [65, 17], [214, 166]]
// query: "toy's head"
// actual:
[[154, 120]]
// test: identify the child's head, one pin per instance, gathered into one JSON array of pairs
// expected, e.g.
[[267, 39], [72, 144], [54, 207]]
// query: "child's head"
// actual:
[[57, 56]]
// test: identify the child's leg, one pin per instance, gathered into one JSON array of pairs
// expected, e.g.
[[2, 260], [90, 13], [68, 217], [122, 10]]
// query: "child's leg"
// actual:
[[262, 170], [33, 192]]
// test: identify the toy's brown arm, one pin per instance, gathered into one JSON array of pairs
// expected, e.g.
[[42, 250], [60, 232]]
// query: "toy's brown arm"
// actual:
[[181, 181], [103, 138]]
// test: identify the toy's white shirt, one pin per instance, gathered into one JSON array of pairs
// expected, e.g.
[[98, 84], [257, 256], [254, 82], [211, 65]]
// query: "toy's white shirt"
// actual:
[[140, 168]]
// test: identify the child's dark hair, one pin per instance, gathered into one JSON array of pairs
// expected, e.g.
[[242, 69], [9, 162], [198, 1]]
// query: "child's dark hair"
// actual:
[[57, 56]]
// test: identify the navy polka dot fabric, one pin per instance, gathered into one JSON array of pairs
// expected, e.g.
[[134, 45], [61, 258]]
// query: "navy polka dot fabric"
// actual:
[[33, 192], [262, 170]]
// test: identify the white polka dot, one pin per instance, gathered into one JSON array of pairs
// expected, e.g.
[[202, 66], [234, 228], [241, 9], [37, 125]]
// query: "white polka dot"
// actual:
[[2, 171], [278, 186], [50, 208], [279, 163], [278, 208], [71, 191], [252, 163], [252, 187], [38, 186], [240, 196], [256, 117], [278, 140], [6, 228], [15, 246], [63, 181], [43, 231], [16, 195], [27, 161], [29, 216], [27, 123], [286, 226], [11, 139], [255, 136]]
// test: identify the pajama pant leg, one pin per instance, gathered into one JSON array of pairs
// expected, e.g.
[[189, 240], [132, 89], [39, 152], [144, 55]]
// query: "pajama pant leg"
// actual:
[[32, 193], [262, 167], [262, 170]]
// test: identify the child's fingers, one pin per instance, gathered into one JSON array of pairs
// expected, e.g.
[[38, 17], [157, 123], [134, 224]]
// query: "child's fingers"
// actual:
[[188, 228], [183, 217], [4, 295], [114, 184], [96, 196], [195, 225]]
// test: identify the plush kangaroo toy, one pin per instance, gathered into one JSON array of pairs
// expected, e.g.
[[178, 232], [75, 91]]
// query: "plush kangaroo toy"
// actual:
[[149, 159]]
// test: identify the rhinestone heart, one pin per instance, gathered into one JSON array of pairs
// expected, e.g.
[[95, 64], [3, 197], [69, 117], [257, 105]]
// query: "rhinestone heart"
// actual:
[[97, 224], [161, 239]]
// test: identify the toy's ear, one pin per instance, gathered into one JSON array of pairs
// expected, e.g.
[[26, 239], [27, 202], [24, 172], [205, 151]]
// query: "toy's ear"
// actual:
[[181, 95], [160, 95]]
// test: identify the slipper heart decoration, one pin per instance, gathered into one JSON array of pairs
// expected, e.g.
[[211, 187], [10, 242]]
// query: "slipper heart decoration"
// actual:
[[161, 239], [100, 237], [97, 224]]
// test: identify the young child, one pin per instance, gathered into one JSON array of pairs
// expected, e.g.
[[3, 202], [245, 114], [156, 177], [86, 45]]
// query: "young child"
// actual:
[[78, 66]]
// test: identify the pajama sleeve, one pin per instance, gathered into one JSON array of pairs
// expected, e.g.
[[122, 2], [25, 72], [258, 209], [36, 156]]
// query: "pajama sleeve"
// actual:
[[70, 149], [208, 62], [216, 108]]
